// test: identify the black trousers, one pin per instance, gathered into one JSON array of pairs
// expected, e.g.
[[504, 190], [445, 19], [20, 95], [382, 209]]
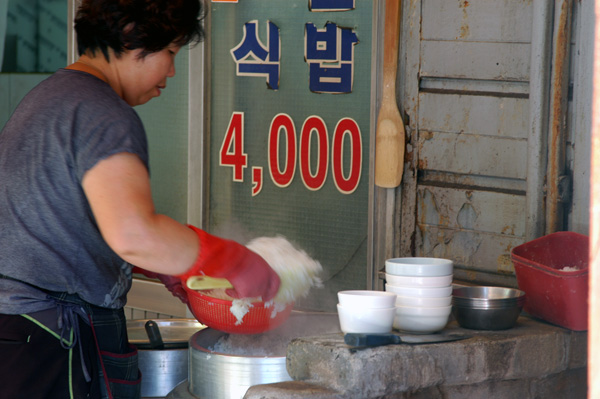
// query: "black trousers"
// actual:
[[34, 365]]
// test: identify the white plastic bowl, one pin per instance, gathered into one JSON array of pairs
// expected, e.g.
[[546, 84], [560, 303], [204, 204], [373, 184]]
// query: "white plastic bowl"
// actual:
[[367, 299], [365, 320], [423, 292], [419, 266], [425, 302], [413, 281], [421, 320]]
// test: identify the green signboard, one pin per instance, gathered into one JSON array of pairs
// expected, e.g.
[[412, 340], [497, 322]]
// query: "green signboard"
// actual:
[[290, 120]]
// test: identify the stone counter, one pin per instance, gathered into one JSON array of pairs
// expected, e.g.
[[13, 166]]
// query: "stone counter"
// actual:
[[531, 360]]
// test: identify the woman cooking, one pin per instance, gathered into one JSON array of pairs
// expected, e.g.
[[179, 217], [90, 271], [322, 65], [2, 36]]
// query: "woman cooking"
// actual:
[[76, 210]]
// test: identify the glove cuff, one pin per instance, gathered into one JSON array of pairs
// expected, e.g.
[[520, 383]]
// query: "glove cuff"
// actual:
[[216, 256], [145, 272]]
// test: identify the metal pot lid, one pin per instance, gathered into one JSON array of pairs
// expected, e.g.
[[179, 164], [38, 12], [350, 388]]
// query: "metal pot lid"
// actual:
[[175, 333], [268, 345]]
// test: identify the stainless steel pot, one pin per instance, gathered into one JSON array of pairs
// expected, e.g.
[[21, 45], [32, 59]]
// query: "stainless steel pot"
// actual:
[[162, 352], [217, 375], [220, 371]]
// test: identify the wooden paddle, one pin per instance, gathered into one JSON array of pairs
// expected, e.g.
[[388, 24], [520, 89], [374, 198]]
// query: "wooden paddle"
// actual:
[[200, 283], [390, 134]]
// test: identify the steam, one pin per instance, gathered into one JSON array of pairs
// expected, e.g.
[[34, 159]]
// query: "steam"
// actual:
[[274, 343]]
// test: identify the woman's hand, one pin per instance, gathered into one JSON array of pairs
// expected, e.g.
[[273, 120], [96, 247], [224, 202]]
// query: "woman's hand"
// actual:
[[250, 275]]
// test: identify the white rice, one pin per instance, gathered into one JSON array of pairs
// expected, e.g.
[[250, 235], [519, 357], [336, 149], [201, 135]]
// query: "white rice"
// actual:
[[298, 271], [569, 269], [239, 307]]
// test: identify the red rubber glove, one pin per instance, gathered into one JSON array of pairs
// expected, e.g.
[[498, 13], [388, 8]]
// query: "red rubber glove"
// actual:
[[250, 275], [172, 283]]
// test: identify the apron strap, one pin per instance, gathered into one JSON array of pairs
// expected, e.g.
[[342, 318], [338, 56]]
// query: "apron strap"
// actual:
[[104, 375], [68, 323]]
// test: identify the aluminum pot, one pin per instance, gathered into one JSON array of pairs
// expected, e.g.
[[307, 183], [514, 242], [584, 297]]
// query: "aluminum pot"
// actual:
[[162, 352], [224, 366]]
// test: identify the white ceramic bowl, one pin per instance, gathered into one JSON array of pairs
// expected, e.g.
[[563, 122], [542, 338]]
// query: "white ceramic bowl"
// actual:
[[424, 302], [414, 281], [367, 299], [419, 266], [421, 320], [365, 320], [423, 292]]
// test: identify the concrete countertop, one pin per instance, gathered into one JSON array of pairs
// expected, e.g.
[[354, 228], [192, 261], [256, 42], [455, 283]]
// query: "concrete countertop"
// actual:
[[533, 359]]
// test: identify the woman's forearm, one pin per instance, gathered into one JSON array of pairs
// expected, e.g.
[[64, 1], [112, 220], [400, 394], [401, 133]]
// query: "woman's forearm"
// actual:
[[118, 190]]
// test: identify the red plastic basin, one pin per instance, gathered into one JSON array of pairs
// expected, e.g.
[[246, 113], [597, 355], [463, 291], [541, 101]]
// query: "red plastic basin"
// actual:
[[553, 293]]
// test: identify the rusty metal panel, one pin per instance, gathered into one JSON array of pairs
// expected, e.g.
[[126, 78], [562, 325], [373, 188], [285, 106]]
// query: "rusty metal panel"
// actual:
[[477, 229], [557, 137], [475, 86], [484, 115], [476, 60], [583, 30], [473, 154], [469, 146], [468, 182], [458, 209], [481, 20], [477, 256], [409, 62]]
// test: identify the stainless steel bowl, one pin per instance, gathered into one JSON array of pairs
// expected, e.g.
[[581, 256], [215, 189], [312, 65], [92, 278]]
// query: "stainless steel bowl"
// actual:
[[487, 308]]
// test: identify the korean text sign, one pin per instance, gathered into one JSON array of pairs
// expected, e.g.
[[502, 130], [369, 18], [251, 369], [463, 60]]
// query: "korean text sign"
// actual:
[[290, 124]]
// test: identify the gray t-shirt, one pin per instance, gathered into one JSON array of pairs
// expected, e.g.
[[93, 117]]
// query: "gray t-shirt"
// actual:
[[48, 235]]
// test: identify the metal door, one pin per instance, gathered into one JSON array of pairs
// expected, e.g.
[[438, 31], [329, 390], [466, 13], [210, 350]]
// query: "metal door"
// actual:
[[486, 164]]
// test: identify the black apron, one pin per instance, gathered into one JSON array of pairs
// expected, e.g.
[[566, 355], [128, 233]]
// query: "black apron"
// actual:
[[117, 360]]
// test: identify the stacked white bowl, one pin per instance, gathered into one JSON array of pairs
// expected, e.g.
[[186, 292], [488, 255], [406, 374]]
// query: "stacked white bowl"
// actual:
[[423, 288], [368, 312]]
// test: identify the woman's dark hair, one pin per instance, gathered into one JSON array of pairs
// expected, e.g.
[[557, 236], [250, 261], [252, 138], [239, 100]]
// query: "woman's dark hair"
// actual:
[[150, 25]]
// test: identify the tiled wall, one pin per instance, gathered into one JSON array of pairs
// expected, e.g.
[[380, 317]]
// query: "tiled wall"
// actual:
[[36, 35]]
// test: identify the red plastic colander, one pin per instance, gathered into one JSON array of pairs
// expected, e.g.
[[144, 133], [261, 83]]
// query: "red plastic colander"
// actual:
[[215, 313]]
